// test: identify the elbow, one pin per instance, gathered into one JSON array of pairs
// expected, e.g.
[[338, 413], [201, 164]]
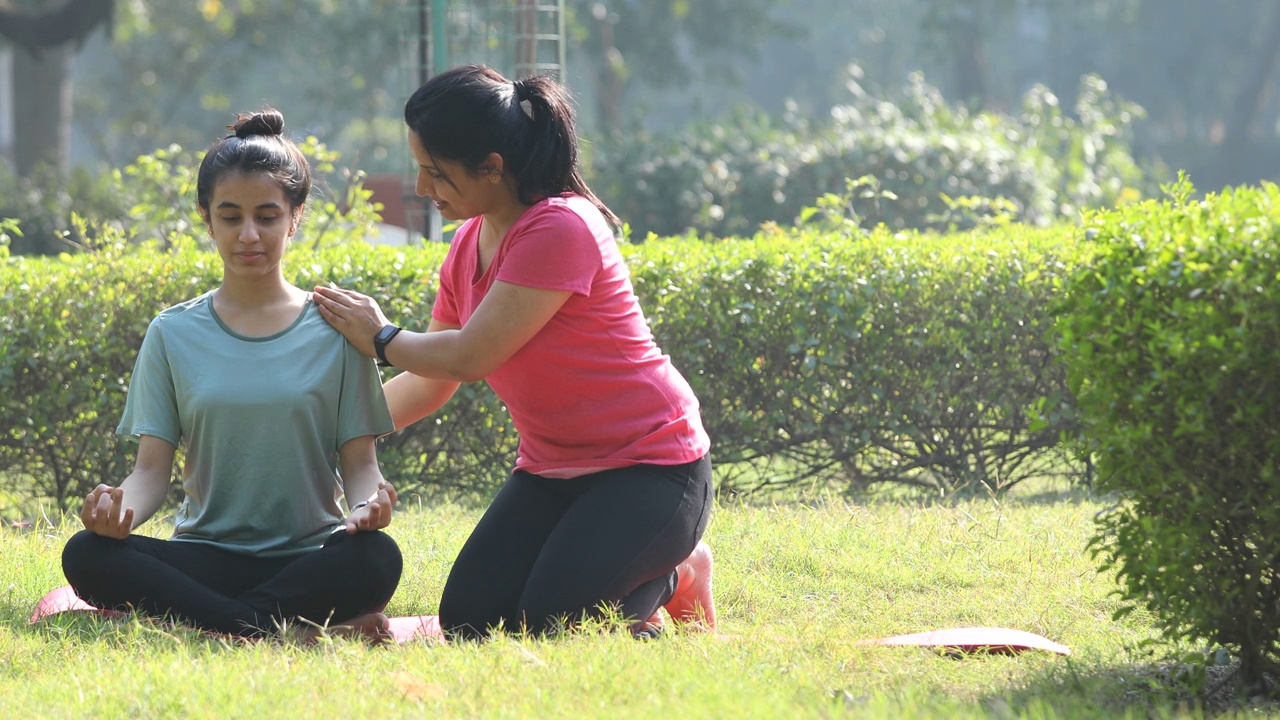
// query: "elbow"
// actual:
[[469, 363], [468, 372], [461, 369], [452, 359], [469, 377]]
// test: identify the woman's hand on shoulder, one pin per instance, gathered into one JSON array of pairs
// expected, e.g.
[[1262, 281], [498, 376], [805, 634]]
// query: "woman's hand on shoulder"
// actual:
[[358, 317], [374, 513], [105, 514]]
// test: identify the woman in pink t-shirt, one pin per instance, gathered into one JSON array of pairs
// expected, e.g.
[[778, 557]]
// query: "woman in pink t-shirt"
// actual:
[[611, 490]]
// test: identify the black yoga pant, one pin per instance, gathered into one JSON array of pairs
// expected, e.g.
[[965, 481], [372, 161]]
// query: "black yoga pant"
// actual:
[[234, 593], [549, 550]]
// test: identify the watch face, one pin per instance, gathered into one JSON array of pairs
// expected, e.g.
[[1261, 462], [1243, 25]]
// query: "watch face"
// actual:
[[380, 342]]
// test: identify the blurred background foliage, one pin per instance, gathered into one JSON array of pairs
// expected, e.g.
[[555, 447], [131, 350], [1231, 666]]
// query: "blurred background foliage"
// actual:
[[1053, 105]]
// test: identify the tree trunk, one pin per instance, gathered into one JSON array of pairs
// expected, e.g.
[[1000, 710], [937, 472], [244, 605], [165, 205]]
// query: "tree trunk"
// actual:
[[526, 39], [41, 108], [45, 38]]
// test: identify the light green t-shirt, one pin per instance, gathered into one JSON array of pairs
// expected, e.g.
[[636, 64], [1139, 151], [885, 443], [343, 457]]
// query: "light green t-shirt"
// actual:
[[262, 419]]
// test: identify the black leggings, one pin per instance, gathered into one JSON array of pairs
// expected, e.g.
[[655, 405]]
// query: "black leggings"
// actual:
[[234, 593], [549, 550]]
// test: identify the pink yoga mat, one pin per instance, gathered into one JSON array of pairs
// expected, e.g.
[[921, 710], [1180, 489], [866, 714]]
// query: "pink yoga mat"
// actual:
[[976, 639], [64, 599]]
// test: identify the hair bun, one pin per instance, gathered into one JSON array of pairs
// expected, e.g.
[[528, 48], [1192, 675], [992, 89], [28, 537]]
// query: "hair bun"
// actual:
[[267, 121]]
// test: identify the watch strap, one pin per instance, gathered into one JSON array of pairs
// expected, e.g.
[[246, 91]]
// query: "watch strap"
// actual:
[[380, 341]]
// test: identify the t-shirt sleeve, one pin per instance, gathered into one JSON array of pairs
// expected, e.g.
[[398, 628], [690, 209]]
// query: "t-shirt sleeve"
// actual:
[[556, 250], [151, 405], [445, 308], [362, 405]]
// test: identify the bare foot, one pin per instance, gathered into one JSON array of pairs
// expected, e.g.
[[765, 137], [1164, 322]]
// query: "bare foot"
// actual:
[[692, 604], [374, 627]]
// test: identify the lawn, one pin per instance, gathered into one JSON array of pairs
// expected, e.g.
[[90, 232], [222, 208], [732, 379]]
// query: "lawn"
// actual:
[[798, 586]]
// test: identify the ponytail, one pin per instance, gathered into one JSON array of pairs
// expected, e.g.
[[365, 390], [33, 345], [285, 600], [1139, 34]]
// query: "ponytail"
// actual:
[[464, 114]]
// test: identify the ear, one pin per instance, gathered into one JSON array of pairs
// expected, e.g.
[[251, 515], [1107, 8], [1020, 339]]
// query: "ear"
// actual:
[[204, 215], [296, 220], [493, 164]]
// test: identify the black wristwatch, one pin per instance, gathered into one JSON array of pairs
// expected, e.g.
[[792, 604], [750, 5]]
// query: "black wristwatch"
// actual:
[[380, 341]]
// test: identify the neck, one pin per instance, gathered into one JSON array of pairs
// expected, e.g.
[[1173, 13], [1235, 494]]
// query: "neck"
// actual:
[[499, 221], [257, 292]]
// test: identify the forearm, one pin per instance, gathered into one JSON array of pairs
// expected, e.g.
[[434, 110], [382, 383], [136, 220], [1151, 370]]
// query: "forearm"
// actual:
[[362, 487], [360, 472], [507, 318], [412, 397], [371, 500], [145, 493], [441, 355], [146, 488]]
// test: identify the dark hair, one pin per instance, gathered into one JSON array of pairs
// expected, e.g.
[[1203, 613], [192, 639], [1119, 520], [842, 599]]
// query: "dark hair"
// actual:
[[464, 114], [256, 145]]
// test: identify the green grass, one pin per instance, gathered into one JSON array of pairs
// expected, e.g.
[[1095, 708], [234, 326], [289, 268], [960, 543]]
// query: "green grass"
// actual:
[[797, 588]]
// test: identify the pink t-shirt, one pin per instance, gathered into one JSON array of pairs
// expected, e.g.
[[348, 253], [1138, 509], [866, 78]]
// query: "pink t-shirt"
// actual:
[[591, 390]]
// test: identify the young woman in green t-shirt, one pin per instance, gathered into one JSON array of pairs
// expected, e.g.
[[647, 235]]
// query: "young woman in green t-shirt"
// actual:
[[268, 402]]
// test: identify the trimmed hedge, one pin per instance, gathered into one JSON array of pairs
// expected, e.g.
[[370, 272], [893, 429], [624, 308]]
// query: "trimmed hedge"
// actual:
[[819, 357], [1172, 337], [906, 358]]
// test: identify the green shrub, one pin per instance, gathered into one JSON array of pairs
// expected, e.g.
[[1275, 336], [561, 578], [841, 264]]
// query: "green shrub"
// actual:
[[8, 230], [1086, 161], [70, 330], [924, 155], [43, 203], [1172, 338]]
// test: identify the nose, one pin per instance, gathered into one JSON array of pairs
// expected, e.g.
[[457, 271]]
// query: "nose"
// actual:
[[249, 231], [424, 185]]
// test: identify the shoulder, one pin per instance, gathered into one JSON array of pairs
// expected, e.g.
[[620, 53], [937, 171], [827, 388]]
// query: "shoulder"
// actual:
[[313, 332], [569, 209], [182, 312]]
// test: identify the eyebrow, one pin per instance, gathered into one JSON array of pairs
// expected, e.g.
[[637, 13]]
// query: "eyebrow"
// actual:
[[271, 205]]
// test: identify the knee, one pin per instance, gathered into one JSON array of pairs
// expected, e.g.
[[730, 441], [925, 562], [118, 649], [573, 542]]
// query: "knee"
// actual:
[[467, 615], [385, 552], [84, 556], [378, 557]]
